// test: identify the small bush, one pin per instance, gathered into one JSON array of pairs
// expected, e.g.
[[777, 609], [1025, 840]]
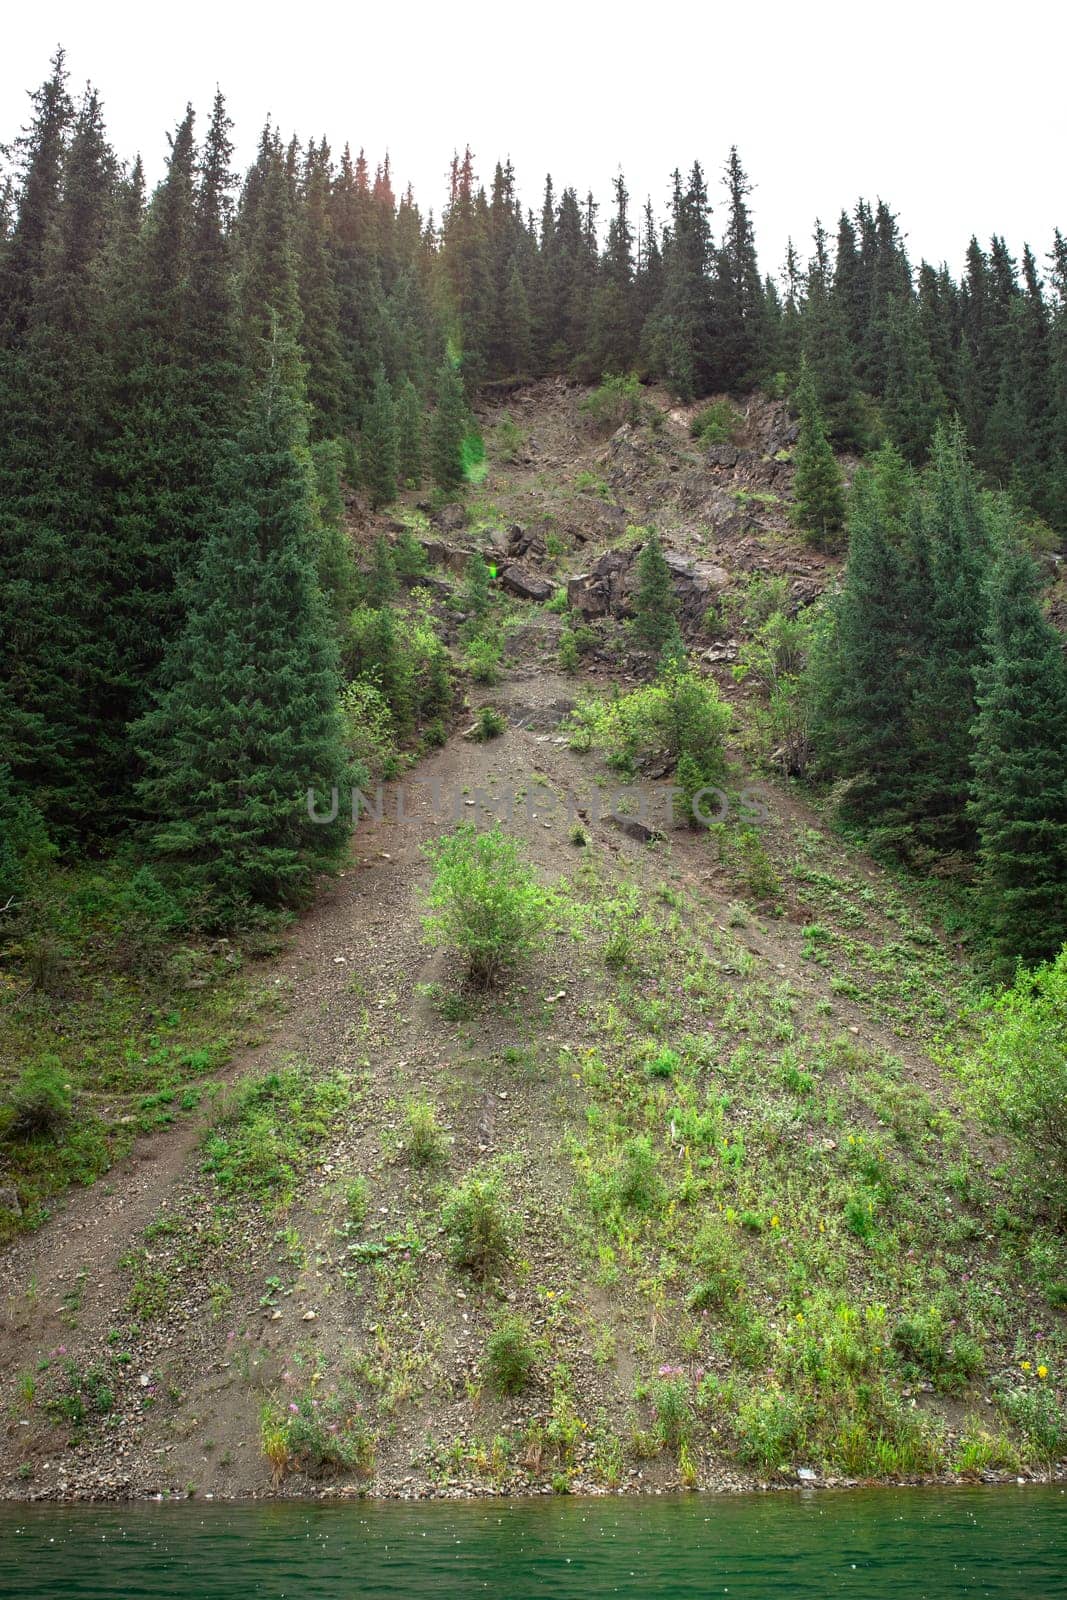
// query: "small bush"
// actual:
[[679, 715], [489, 724], [487, 902], [319, 1434], [638, 1185], [673, 1409], [618, 399], [716, 424], [510, 1356], [508, 439], [478, 1225], [40, 1101], [1019, 1069], [770, 1426], [1040, 1418], [569, 657], [357, 1202], [425, 1145], [482, 658]]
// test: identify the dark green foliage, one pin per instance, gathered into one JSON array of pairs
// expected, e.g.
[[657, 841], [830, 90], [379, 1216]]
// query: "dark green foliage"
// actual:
[[655, 606], [409, 435], [448, 429], [862, 664], [246, 722], [1019, 790], [378, 442], [818, 489], [952, 642]]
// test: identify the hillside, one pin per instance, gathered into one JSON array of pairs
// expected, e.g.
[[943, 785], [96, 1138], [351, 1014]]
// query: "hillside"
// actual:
[[753, 1228]]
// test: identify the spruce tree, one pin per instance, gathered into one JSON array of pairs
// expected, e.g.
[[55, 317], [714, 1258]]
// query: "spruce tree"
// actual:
[[655, 605], [377, 444], [409, 449], [818, 488], [1019, 788], [246, 721], [518, 335], [448, 429], [679, 337], [861, 674], [956, 534], [740, 308]]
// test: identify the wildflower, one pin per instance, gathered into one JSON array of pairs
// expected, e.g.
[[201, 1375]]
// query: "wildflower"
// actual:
[[774, 1221], [1042, 1372], [293, 1408], [1025, 1366], [800, 1316]]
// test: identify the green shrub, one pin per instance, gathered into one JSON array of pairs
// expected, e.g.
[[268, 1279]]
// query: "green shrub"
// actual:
[[770, 1427], [482, 658], [478, 1225], [486, 901], [477, 595], [318, 1433], [489, 724], [679, 715], [925, 1348], [569, 657], [717, 423], [672, 1408], [1018, 1071], [716, 1267], [638, 1185], [1042, 1421], [357, 1202], [510, 1356], [425, 1145], [618, 399], [40, 1102], [409, 558], [508, 439]]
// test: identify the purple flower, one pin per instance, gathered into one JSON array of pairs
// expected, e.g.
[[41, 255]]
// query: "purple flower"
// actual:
[[294, 1408]]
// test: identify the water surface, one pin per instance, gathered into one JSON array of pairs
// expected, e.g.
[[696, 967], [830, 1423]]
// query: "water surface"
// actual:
[[884, 1544]]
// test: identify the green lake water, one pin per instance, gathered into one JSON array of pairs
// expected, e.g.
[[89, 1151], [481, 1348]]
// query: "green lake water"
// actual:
[[887, 1544]]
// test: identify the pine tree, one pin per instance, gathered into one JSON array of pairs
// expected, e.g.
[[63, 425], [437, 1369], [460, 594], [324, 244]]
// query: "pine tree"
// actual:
[[1019, 790], [56, 640], [680, 338], [861, 677], [818, 488], [448, 430], [655, 605], [246, 721], [829, 356], [377, 444], [740, 309], [613, 326], [913, 404], [409, 434], [320, 332], [957, 536], [518, 334]]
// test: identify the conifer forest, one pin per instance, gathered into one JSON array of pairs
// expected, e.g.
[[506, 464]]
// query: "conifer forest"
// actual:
[[533, 828]]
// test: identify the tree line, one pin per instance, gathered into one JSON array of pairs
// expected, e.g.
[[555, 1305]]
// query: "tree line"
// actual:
[[189, 379]]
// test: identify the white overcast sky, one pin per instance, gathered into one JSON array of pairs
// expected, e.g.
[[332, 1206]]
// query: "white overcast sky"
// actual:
[[954, 113]]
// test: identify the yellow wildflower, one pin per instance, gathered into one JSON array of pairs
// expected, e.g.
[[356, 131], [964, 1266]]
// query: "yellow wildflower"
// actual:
[[1042, 1372], [1025, 1366]]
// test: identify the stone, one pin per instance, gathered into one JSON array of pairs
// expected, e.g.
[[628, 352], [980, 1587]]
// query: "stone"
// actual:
[[9, 1199], [634, 829], [722, 455], [526, 585], [450, 518]]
